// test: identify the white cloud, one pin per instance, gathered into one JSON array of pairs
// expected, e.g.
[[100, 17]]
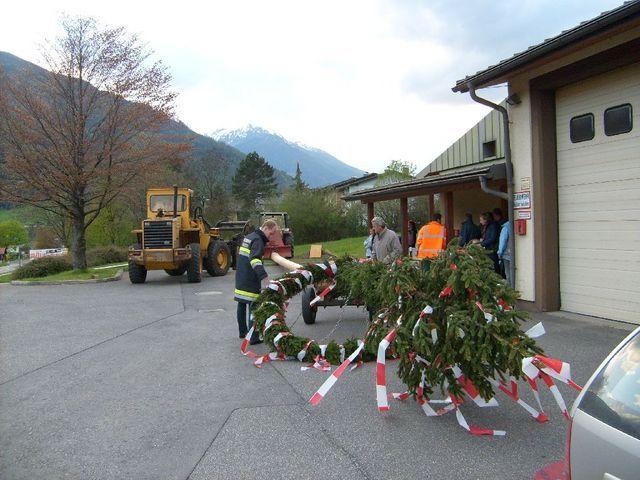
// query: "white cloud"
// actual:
[[367, 80]]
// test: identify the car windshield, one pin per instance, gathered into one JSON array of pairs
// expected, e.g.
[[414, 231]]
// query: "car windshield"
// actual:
[[165, 202], [614, 395]]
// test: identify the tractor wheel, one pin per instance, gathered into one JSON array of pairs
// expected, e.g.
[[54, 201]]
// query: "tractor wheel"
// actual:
[[288, 240], [194, 267], [137, 273], [177, 272], [218, 258], [308, 312]]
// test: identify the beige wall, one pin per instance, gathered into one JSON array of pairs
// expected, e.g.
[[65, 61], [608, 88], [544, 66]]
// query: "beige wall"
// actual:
[[520, 119], [474, 201]]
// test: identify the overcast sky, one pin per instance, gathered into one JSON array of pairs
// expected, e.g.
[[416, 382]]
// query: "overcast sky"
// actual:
[[368, 81]]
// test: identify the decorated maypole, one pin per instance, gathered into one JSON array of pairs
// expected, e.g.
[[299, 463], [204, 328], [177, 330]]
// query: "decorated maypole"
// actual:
[[453, 326]]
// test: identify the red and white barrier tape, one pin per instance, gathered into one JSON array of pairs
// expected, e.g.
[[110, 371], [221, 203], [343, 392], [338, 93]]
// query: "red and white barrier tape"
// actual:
[[471, 390], [381, 371], [487, 316], [323, 294], [333, 378], [475, 430]]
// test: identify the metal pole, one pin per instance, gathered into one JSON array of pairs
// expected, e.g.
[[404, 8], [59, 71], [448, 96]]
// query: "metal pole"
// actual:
[[509, 168]]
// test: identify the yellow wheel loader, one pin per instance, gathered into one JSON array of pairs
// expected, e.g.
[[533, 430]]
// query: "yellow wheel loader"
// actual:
[[177, 239]]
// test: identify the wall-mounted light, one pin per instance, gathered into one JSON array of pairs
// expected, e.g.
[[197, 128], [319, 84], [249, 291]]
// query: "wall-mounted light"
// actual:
[[514, 99]]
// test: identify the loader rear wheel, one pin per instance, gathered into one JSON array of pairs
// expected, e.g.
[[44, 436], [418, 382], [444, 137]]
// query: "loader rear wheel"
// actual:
[[194, 266], [218, 258], [308, 311], [176, 272], [137, 273]]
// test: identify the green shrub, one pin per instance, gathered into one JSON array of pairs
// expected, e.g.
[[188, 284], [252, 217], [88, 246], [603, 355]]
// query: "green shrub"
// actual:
[[104, 255], [42, 267]]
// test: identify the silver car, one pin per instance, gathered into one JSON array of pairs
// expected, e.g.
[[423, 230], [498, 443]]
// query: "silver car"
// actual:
[[604, 438]]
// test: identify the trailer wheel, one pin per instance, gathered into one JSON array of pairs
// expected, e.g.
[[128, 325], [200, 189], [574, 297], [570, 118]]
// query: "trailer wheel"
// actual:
[[218, 258], [137, 273], [308, 312], [194, 272]]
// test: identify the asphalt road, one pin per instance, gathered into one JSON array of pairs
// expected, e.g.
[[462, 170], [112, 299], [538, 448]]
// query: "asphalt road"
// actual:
[[121, 381]]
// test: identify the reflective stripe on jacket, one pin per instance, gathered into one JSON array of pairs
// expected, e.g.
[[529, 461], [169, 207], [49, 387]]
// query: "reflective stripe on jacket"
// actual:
[[431, 239], [249, 267]]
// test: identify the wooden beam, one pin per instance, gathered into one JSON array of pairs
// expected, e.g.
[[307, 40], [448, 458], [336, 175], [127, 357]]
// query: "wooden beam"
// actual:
[[448, 213], [424, 191], [404, 220], [370, 213], [544, 180]]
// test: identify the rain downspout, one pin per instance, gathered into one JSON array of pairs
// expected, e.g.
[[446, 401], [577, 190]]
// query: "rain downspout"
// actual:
[[509, 168]]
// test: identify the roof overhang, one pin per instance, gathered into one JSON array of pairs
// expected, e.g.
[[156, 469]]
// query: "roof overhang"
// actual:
[[427, 185], [498, 73]]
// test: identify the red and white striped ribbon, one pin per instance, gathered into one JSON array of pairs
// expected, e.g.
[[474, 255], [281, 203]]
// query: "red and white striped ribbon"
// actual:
[[277, 286], [487, 316], [513, 395], [556, 394], [323, 294], [269, 357], [245, 344], [275, 319], [471, 390], [381, 371], [330, 269], [333, 378], [475, 430], [556, 368], [536, 331], [305, 273], [302, 353]]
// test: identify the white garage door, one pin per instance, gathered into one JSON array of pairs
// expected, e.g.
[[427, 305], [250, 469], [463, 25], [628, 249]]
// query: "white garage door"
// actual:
[[599, 195]]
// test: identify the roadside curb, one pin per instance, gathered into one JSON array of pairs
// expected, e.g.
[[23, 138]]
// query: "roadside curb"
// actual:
[[23, 283]]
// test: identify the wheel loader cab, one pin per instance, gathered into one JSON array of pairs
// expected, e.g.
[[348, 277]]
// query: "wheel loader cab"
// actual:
[[171, 240]]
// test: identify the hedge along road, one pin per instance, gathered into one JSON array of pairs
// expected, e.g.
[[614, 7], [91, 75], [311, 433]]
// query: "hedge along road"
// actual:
[[121, 381]]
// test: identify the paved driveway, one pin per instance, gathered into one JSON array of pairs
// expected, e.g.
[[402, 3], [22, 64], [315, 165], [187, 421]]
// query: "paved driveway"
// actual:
[[116, 381]]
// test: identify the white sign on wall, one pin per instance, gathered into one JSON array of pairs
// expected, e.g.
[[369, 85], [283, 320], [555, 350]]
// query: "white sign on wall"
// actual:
[[523, 214], [522, 200], [525, 183]]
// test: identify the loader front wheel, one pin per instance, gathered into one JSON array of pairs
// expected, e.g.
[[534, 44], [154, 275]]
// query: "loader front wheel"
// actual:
[[137, 273], [194, 266], [218, 258]]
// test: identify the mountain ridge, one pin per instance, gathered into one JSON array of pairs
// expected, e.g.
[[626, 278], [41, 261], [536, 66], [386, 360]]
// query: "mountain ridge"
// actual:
[[318, 167]]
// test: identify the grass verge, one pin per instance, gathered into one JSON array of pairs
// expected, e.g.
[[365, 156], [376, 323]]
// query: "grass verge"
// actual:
[[106, 271], [345, 246]]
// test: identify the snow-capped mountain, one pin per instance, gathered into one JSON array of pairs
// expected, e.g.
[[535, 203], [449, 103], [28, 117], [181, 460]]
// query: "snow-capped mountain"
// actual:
[[318, 167]]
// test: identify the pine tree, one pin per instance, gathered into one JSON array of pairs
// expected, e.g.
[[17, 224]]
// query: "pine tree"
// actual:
[[254, 179], [298, 184]]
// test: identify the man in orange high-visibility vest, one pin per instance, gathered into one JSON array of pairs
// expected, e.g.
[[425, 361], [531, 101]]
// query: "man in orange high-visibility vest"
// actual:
[[431, 238]]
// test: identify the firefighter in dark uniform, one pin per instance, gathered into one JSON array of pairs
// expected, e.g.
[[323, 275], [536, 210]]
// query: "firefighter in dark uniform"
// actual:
[[251, 275]]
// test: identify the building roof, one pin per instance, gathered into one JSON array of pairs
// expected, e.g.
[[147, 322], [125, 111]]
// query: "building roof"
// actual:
[[584, 30], [353, 181], [418, 186]]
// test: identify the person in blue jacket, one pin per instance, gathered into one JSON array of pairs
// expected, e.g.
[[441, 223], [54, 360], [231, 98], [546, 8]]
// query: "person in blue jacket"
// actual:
[[504, 252], [490, 236], [251, 276], [469, 231]]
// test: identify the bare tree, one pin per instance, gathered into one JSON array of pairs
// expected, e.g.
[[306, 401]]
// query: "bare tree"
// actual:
[[75, 136]]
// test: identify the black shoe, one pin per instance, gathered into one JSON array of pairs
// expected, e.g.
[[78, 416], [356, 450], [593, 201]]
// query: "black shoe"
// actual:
[[255, 341], [242, 335]]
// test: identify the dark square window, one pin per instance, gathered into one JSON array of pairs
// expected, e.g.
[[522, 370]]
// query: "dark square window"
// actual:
[[581, 128], [489, 149], [618, 120]]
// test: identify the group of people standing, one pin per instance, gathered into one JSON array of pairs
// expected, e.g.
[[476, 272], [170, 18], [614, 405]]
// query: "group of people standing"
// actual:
[[492, 234]]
